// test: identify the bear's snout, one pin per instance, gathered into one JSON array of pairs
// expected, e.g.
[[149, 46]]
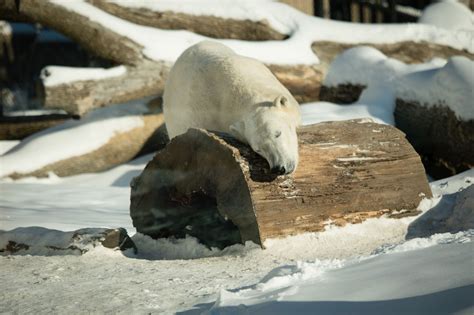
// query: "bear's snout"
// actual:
[[283, 169]]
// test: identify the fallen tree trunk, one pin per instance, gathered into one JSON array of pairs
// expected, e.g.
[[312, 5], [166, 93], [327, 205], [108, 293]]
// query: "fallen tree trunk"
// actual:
[[207, 25], [217, 189], [20, 127], [121, 148], [80, 97]]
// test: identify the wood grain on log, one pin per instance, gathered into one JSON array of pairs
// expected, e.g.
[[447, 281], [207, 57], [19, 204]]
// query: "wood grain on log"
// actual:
[[119, 149], [207, 25], [20, 127], [79, 97], [211, 186]]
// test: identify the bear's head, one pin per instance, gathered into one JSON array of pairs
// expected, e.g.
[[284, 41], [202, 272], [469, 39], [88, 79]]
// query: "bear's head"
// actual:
[[271, 132]]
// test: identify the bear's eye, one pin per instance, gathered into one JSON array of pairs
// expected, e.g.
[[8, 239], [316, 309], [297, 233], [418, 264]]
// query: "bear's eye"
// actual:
[[277, 134]]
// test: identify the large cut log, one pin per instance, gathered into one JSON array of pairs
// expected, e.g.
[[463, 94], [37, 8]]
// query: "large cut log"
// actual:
[[207, 25], [445, 142], [213, 187], [20, 127]]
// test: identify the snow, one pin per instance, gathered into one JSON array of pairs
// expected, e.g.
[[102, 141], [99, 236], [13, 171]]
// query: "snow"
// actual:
[[56, 75], [34, 112], [433, 83], [90, 133], [448, 14], [354, 286], [6, 145], [252, 10], [304, 30], [342, 266], [375, 103]]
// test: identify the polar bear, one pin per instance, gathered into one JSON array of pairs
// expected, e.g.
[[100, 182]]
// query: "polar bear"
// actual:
[[212, 87]]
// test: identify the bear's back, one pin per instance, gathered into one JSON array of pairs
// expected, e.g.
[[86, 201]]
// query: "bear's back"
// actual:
[[210, 87]]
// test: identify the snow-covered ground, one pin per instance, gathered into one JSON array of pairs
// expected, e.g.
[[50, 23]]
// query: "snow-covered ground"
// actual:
[[421, 265], [360, 268]]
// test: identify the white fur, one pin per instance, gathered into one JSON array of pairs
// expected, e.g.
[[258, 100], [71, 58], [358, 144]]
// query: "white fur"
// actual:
[[213, 88]]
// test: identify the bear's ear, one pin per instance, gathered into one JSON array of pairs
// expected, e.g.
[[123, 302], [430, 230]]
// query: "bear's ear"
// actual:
[[280, 101], [238, 130]]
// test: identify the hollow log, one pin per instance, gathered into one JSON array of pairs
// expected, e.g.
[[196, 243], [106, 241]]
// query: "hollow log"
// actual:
[[207, 25], [211, 186], [20, 127]]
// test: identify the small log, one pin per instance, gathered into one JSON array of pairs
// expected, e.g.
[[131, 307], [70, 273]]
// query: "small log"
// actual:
[[80, 97], [211, 186], [20, 127], [207, 25]]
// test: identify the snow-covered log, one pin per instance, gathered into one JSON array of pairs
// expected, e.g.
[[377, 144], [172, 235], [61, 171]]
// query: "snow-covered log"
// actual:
[[46, 242], [80, 94], [433, 102], [217, 189], [121, 140], [207, 25]]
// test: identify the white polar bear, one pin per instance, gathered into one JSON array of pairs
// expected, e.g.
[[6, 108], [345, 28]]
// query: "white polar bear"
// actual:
[[212, 87]]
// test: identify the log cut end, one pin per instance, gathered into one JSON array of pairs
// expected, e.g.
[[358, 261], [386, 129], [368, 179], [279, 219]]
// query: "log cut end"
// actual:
[[215, 188]]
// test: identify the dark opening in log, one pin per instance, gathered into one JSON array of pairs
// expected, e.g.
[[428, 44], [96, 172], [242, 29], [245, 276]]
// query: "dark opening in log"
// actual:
[[348, 171]]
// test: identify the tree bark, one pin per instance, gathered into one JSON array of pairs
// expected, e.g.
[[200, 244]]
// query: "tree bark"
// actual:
[[211, 186], [207, 25]]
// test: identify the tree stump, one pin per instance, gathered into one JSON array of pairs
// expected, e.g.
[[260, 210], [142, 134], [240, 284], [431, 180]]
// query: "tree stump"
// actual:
[[211, 186]]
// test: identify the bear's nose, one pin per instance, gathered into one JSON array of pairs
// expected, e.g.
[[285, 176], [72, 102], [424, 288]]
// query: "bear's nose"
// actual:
[[280, 170]]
